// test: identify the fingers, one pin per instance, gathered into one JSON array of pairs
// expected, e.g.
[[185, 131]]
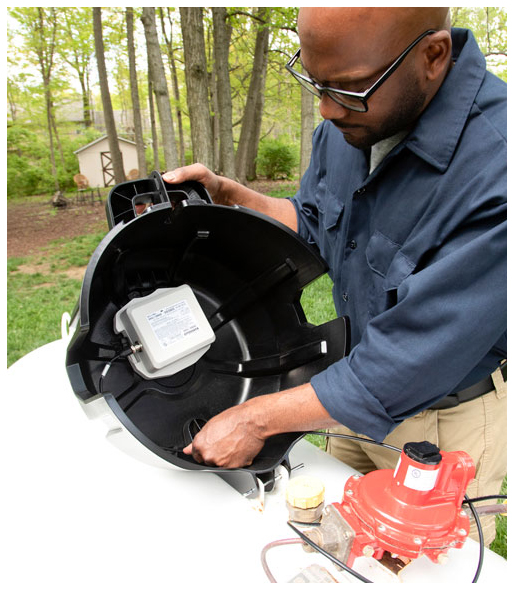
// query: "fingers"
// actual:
[[192, 172], [196, 454], [193, 451], [229, 440], [222, 455], [197, 172]]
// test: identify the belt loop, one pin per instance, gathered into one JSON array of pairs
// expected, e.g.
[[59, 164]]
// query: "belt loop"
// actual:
[[499, 384]]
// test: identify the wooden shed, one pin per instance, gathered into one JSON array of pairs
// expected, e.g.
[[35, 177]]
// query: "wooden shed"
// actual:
[[96, 164]]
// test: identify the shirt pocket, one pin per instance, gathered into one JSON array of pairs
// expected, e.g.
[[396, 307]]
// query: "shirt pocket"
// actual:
[[328, 205], [330, 211], [388, 268]]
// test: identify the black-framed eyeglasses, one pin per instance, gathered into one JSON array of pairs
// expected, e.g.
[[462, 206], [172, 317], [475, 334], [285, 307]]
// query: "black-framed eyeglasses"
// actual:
[[354, 101]]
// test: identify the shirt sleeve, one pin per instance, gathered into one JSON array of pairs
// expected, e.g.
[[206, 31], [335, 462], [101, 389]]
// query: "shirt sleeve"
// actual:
[[448, 315]]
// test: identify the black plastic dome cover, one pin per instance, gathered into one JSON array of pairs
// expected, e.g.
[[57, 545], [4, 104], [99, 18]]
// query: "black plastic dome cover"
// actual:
[[247, 272]]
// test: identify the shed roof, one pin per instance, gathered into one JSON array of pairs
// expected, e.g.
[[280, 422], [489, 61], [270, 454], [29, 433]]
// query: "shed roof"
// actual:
[[84, 147]]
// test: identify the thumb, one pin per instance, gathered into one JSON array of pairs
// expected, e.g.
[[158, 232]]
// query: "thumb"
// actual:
[[171, 175], [188, 450]]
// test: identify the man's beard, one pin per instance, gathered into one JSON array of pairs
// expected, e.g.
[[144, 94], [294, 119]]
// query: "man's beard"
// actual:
[[403, 117]]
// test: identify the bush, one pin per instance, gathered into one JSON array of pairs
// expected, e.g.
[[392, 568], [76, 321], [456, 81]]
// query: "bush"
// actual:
[[28, 161], [276, 159]]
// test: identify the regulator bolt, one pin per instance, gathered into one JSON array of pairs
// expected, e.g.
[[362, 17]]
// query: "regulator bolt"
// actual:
[[368, 551]]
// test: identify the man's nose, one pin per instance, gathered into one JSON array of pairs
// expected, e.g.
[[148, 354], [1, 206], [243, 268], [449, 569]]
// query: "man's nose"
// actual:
[[330, 109]]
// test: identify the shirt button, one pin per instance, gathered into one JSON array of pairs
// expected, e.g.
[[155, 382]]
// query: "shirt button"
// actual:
[[353, 244], [345, 296], [361, 190]]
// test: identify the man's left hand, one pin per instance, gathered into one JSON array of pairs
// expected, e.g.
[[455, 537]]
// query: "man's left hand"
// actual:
[[230, 439], [235, 437]]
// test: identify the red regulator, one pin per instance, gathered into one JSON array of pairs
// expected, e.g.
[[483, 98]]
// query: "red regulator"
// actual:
[[412, 511]]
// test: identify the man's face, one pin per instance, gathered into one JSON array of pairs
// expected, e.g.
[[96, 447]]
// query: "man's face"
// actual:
[[355, 67]]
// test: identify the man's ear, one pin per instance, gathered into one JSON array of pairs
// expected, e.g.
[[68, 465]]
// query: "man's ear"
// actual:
[[437, 54]]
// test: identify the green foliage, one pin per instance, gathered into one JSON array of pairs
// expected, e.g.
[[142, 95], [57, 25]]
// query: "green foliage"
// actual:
[[27, 158], [74, 62], [277, 159], [489, 26], [28, 155]]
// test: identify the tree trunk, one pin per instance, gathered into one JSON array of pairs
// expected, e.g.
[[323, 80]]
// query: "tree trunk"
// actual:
[[56, 135], [110, 124], [77, 51], [155, 136], [48, 103], [222, 32], [253, 146], [197, 84], [45, 57], [176, 91], [86, 107], [160, 88], [250, 126], [134, 92], [307, 129], [215, 119]]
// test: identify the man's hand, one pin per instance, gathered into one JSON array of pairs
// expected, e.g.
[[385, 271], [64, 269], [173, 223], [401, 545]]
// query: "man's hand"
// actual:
[[225, 191], [197, 172], [230, 439], [234, 437]]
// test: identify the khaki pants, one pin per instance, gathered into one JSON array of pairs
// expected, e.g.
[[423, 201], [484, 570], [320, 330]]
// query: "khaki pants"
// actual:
[[478, 427]]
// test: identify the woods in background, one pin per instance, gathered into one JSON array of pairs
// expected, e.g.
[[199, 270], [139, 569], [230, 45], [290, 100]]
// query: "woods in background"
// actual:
[[188, 84]]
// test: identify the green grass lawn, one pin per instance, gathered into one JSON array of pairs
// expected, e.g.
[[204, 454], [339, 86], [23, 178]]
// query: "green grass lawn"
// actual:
[[37, 300]]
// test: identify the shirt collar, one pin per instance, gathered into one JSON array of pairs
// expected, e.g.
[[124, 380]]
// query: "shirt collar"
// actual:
[[439, 128]]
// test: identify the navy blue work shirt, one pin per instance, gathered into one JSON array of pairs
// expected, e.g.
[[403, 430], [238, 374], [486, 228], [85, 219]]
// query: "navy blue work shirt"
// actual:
[[416, 250]]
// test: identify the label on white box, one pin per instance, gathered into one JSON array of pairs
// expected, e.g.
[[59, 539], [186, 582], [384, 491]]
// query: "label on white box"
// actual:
[[173, 323]]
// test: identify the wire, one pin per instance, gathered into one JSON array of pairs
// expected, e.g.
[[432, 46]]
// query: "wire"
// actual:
[[356, 438], [269, 546], [332, 558], [480, 498], [106, 369], [480, 539]]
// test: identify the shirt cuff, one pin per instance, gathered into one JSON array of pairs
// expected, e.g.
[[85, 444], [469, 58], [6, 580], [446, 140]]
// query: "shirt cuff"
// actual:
[[347, 400]]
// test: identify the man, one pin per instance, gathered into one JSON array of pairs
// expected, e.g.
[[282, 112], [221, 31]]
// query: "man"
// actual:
[[405, 198]]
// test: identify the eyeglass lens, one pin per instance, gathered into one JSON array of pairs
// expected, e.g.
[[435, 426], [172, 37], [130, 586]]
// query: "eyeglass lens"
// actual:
[[342, 99]]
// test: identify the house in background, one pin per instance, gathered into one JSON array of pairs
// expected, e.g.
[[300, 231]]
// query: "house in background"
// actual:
[[95, 161]]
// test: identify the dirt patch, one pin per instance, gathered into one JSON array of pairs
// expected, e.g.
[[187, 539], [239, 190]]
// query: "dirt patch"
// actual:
[[32, 225], [75, 272]]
